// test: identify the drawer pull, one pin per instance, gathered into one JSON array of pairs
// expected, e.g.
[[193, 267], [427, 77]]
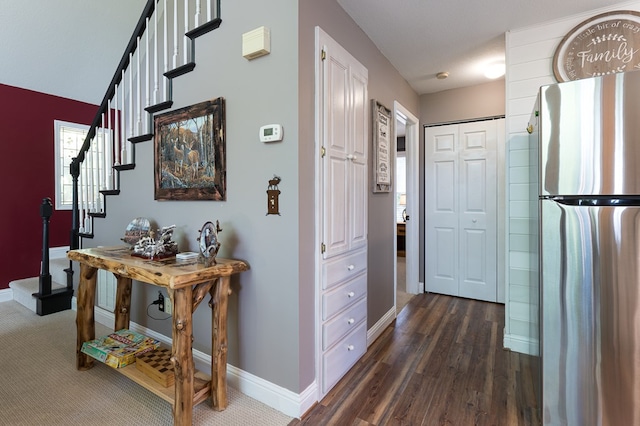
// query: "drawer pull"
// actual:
[[351, 294], [350, 267], [350, 347], [351, 321]]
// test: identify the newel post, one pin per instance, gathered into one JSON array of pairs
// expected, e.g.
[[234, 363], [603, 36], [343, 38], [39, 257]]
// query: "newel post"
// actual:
[[48, 300], [46, 210], [74, 242]]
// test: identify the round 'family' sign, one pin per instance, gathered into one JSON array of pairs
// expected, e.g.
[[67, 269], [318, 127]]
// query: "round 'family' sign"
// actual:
[[605, 44]]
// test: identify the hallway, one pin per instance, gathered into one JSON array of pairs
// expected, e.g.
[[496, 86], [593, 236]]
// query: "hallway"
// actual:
[[440, 363]]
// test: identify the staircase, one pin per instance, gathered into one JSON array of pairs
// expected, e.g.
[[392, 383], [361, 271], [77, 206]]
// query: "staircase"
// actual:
[[24, 289], [161, 48]]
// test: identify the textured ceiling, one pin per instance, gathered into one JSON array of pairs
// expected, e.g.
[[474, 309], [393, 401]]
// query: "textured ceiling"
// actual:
[[75, 56], [423, 37]]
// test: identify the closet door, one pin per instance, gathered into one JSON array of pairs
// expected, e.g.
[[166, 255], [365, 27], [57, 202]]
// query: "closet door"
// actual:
[[442, 210], [358, 159], [336, 148], [345, 144], [461, 210]]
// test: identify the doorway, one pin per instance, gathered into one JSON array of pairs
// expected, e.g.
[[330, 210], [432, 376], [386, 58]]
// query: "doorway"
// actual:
[[407, 123], [462, 198]]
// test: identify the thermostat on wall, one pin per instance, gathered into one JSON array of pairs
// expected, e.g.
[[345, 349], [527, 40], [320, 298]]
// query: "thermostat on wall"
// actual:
[[271, 133]]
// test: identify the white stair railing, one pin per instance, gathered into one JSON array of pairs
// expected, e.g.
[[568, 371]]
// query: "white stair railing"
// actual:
[[160, 49]]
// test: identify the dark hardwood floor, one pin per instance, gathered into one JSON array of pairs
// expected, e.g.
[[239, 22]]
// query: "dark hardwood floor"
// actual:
[[440, 363]]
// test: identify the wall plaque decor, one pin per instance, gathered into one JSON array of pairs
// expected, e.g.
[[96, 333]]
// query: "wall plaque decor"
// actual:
[[382, 133], [272, 196], [190, 153], [605, 44]]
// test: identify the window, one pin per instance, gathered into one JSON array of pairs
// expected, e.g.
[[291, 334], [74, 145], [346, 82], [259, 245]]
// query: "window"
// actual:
[[69, 138]]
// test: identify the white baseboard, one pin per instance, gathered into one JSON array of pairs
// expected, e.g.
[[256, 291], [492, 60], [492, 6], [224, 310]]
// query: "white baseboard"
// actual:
[[6, 295], [277, 397], [420, 287], [523, 345], [374, 332]]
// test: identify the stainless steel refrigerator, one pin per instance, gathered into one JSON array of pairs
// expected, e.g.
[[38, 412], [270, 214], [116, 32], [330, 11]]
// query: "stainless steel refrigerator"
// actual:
[[589, 179]]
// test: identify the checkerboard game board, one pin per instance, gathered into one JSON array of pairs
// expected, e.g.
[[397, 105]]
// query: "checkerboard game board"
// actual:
[[157, 365]]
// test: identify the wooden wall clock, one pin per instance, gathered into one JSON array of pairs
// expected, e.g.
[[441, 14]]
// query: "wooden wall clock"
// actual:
[[605, 44]]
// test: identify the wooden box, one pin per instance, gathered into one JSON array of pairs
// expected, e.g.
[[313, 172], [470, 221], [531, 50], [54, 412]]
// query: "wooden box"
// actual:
[[157, 365]]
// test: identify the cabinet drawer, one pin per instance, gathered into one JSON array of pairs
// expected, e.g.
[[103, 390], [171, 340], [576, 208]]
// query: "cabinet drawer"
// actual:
[[336, 300], [337, 361], [343, 323], [338, 270]]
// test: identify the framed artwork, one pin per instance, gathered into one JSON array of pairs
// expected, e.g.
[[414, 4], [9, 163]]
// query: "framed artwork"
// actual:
[[382, 134], [190, 153]]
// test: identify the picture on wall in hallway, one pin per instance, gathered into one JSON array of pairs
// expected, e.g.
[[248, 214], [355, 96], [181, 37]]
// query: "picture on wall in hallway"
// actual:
[[382, 131], [190, 153]]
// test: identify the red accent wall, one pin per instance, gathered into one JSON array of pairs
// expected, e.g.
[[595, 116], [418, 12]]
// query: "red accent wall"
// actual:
[[27, 174]]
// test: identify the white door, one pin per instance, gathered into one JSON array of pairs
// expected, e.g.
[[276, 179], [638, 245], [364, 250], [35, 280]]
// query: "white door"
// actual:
[[461, 210], [344, 140]]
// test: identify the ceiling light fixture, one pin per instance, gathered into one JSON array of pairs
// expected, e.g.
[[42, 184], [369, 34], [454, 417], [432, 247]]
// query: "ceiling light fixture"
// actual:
[[442, 75], [494, 71]]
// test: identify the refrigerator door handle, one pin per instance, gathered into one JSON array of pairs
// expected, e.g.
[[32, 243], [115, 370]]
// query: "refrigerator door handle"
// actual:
[[595, 200]]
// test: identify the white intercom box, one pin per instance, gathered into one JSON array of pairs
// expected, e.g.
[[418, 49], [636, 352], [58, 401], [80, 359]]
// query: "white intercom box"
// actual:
[[256, 43]]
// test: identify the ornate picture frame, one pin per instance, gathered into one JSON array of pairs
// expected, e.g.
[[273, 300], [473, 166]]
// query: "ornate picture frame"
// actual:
[[382, 134], [190, 153]]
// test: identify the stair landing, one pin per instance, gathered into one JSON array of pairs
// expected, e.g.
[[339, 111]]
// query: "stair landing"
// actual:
[[23, 291]]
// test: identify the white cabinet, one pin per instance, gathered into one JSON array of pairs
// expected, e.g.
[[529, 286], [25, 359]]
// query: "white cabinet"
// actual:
[[343, 317], [342, 292]]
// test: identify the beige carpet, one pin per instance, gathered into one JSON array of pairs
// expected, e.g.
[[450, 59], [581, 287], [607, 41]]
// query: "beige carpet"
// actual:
[[39, 384]]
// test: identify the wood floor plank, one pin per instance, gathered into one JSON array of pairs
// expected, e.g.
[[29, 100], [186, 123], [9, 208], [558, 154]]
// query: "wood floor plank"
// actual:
[[411, 405], [440, 363]]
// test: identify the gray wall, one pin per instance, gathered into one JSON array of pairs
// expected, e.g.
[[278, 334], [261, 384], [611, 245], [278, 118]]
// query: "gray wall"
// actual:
[[264, 308], [272, 309], [483, 100]]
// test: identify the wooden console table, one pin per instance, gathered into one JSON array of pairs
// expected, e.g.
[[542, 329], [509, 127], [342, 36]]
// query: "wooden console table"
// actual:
[[187, 283]]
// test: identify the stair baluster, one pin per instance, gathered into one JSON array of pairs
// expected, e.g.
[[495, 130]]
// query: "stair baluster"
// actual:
[[124, 117]]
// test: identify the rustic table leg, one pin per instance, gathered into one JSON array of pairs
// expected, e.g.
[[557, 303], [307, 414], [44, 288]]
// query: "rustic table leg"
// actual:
[[182, 357], [85, 316], [220, 295], [123, 303]]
